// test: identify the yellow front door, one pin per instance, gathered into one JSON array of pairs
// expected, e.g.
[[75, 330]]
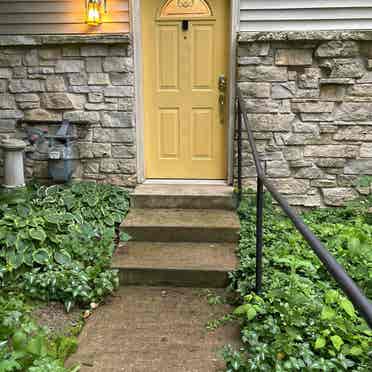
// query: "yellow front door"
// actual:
[[185, 56]]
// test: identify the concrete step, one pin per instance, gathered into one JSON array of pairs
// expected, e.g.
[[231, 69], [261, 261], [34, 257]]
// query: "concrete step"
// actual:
[[183, 196], [177, 264], [182, 225]]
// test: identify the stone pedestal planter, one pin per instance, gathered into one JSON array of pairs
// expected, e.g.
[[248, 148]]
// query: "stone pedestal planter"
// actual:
[[13, 163]]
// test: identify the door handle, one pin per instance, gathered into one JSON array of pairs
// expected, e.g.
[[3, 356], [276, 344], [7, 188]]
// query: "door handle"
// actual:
[[222, 85]]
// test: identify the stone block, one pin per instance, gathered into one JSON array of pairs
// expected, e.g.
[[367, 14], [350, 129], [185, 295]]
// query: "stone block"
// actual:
[[5, 73], [94, 50], [82, 117], [323, 183], [125, 104], [309, 173], [254, 49], [262, 73], [10, 60], [312, 106], [354, 111], [113, 135], [50, 53], [319, 117], [28, 105], [255, 90], [366, 150], [310, 78], [98, 78], [337, 48], [124, 152], [117, 119], [11, 114], [26, 86], [88, 150], [122, 78], [3, 85], [19, 72], [283, 90], [333, 92], [62, 101], [66, 66], [40, 115], [7, 126], [271, 122], [7, 101], [360, 90], [40, 71], [91, 167], [78, 79], [277, 169], [27, 97], [55, 83], [293, 153], [124, 166], [291, 185], [348, 68], [332, 151], [294, 57], [31, 58], [353, 133], [330, 163], [339, 196], [360, 166], [94, 64], [95, 97], [118, 91], [71, 51], [117, 64]]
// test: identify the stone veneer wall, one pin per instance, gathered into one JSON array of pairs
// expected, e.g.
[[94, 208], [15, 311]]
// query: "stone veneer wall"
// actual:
[[88, 81], [310, 101]]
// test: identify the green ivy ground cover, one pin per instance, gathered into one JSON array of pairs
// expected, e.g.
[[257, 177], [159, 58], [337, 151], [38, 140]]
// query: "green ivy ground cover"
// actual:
[[302, 321], [56, 244]]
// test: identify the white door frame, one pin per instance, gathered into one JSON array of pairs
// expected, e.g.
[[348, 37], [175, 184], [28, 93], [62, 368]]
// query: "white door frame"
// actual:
[[136, 29]]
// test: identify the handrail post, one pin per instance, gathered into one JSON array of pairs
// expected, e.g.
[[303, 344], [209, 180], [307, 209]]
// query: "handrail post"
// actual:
[[240, 149], [259, 233]]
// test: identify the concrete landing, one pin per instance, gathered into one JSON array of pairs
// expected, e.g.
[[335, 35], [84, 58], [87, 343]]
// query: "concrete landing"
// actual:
[[146, 329], [182, 225], [177, 264], [183, 197]]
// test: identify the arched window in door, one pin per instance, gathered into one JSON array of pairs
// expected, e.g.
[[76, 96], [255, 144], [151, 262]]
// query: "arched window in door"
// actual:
[[185, 8]]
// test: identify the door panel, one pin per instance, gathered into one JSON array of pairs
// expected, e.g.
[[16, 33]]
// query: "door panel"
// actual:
[[185, 130]]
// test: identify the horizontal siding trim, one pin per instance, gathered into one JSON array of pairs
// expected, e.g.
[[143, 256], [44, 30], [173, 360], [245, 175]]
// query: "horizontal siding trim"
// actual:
[[305, 15], [38, 17], [302, 4]]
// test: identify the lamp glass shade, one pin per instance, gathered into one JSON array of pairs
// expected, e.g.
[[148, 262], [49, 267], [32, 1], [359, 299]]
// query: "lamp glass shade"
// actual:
[[94, 12]]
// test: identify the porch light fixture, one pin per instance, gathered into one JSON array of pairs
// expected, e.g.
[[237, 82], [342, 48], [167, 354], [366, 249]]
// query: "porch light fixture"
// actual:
[[95, 10]]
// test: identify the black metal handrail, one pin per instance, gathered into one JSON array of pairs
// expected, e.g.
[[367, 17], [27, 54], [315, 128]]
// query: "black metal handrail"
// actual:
[[352, 291]]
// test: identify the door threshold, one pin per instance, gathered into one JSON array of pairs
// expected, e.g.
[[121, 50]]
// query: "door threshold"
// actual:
[[184, 182]]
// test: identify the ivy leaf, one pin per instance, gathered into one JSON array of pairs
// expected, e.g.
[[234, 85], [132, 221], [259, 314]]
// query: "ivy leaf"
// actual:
[[251, 313], [38, 234], [356, 351], [320, 343], [331, 296], [348, 307], [327, 313], [337, 342], [41, 256]]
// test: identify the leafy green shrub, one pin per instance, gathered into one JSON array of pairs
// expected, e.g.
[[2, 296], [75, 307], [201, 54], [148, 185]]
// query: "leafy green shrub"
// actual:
[[302, 321], [57, 242], [26, 346]]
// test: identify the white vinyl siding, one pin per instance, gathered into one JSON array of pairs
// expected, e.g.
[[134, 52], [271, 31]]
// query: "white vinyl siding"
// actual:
[[305, 15], [59, 17]]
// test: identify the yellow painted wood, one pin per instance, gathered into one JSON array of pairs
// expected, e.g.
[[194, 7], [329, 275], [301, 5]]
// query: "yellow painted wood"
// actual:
[[185, 137]]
